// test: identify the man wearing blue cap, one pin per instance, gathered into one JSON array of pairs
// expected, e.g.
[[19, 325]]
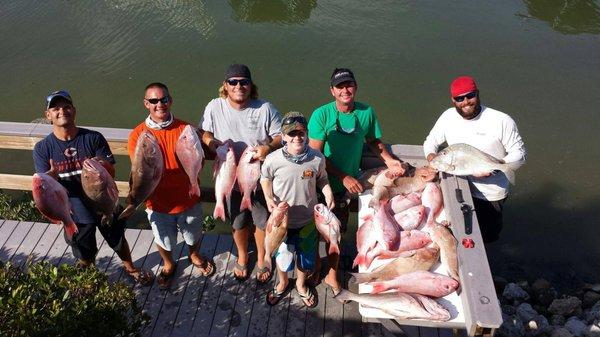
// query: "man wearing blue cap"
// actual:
[[61, 155]]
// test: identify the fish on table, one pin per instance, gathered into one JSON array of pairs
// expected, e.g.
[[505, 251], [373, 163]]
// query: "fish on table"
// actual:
[[387, 186], [443, 238], [190, 155], [52, 200], [411, 218], [433, 201], [100, 190], [147, 167], [399, 305], [420, 282]]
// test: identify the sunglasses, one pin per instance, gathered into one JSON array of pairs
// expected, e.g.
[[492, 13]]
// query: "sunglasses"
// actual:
[[242, 82], [467, 96], [163, 100], [292, 120], [340, 129]]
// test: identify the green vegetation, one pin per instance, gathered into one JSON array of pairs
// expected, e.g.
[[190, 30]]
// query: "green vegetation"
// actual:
[[65, 301], [19, 208]]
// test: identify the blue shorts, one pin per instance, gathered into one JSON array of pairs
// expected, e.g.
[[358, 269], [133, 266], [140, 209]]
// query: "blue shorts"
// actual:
[[302, 242], [164, 226]]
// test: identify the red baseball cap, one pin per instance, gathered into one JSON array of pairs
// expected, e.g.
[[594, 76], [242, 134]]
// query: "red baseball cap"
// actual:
[[462, 85]]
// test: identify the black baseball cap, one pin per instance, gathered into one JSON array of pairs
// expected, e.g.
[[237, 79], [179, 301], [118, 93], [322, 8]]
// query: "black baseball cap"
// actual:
[[341, 75], [237, 70]]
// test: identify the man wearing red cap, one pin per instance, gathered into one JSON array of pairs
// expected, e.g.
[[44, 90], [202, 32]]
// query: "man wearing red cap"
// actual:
[[490, 131]]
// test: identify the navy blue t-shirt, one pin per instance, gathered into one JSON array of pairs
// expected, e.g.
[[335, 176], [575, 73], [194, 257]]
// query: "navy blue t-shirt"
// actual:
[[68, 157]]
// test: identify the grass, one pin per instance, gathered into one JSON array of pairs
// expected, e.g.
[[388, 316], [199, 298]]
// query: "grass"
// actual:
[[19, 206]]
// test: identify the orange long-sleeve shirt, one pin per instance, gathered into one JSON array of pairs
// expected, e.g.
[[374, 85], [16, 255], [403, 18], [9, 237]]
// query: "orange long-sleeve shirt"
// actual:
[[171, 195]]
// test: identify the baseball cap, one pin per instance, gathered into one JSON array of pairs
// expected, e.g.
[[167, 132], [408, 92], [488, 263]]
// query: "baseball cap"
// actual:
[[60, 93], [238, 70], [462, 85], [293, 120], [341, 75]]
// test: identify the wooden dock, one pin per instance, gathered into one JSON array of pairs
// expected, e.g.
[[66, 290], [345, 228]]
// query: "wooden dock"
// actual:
[[199, 306]]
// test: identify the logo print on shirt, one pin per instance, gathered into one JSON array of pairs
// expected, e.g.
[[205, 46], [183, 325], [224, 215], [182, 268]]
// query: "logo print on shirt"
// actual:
[[307, 174], [70, 152]]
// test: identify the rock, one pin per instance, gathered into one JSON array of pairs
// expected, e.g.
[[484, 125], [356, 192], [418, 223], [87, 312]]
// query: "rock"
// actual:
[[540, 285], [538, 326], [499, 283], [593, 287], [576, 326], [511, 326], [590, 298], [561, 332], [565, 306], [513, 292], [558, 320], [593, 313], [525, 312], [592, 331]]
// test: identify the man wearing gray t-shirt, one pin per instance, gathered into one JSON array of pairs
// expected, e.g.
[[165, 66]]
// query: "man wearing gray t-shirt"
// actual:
[[238, 115]]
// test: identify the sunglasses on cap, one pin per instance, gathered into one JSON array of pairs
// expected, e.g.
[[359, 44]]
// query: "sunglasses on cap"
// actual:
[[340, 129], [467, 96], [163, 100], [242, 82], [294, 119]]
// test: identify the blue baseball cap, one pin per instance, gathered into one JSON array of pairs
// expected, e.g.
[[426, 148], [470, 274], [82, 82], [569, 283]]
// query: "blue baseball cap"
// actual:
[[60, 93]]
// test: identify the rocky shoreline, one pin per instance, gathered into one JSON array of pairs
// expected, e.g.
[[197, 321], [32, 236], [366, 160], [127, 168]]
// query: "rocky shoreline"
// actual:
[[538, 309]]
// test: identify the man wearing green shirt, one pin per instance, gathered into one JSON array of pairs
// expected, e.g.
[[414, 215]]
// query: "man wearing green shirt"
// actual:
[[339, 129]]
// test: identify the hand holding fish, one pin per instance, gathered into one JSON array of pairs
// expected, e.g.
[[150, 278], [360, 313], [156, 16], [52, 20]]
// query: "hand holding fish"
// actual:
[[261, 152], [396, 167], [271, 204], [52, 171]]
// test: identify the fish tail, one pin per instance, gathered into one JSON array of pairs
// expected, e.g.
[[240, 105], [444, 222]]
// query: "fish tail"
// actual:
[[194, 189], [246, 202], [127, 212], [344, 295], [361, 277], [378, 287], [70, 230], [219, 212], [358, 260], [334, 248], [510, 174]]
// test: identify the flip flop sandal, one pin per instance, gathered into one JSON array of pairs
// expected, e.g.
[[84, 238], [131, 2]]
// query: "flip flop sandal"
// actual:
[[164, 280], [274, 296], [207, 268], [262, 271], [306, 297], [141, 276], [243, 269]]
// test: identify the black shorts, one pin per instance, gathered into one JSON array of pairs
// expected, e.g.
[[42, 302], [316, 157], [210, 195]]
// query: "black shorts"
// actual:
[[84, 243], [341, 208], [257, 214], [489, 216]]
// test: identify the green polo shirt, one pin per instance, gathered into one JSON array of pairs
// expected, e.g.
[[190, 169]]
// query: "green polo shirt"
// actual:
[[343, 150]]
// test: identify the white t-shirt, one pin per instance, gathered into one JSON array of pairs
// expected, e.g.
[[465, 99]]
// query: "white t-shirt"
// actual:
[[248, 127], [492, 132]]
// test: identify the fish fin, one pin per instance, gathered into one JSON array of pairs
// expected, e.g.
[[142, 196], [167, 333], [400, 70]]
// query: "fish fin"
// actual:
[[70, 230], [361, 277], [127, 212], [510, 174], [344, 295], [377, 287], [358, 260]]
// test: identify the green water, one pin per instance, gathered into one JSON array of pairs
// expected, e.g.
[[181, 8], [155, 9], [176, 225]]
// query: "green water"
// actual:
[[538, 61]]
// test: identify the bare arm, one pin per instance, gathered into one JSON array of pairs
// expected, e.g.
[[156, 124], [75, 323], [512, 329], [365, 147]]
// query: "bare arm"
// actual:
[[390, 161], [263, 150], [267, 187], [210, 141]]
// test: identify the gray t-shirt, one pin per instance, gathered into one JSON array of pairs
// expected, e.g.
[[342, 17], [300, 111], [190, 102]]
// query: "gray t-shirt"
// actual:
[[249, 127], [296, 183]]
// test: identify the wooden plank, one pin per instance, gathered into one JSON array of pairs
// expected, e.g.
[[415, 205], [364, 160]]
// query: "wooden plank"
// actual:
[[242, 312], [59, 246], [53, 232], [152, 262], [18, 142], [478, 296], [278, 314], [209, 300], [139, 250], [14, 241], [297, 312], [16, 128], [31, 240], [334, 311], [428, 332], [390, 327], [172, 302], [1, 222], [352, 318], [224, 311], [115, 270], [194, 290], [156, 297], [105, 254], [371, 328], [7, 228], [445, 333], [316, 317]]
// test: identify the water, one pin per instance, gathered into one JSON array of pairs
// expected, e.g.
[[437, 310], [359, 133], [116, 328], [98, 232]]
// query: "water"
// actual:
[[537, 60]]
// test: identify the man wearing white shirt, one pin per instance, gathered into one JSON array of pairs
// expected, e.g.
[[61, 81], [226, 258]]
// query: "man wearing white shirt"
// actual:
[[490, 131]]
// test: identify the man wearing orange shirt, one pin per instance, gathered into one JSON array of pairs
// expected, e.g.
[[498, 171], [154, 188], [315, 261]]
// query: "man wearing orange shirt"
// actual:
[[170, 206]]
